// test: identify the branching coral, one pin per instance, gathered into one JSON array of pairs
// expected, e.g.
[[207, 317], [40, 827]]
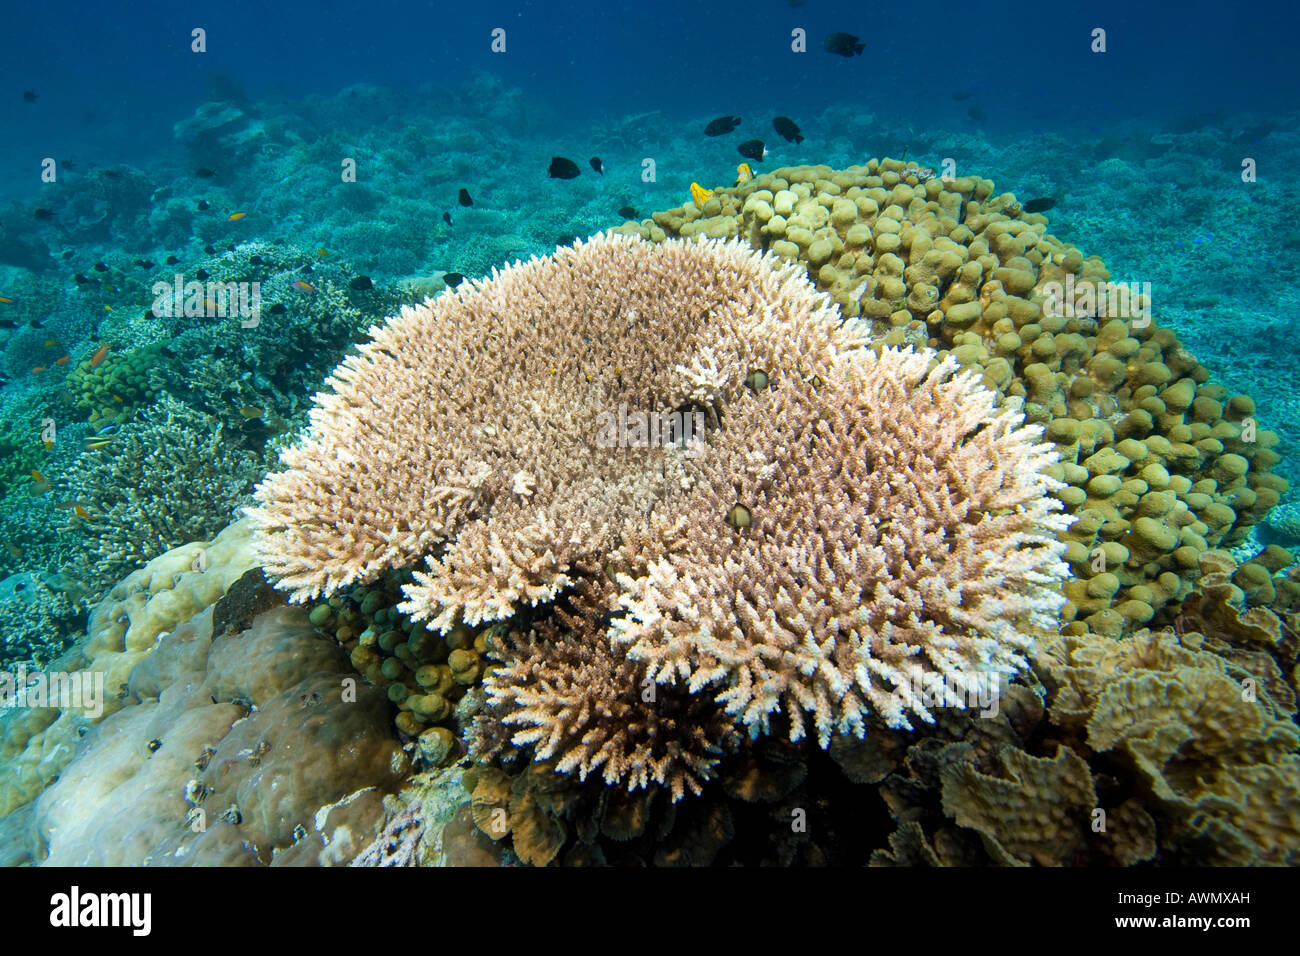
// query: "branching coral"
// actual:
[[172, 476], [843, 527], [475, 420], [579, 702], [1161, 463], [36, 619], [900, 534]]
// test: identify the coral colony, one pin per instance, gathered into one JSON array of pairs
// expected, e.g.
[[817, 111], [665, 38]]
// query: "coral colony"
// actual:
[[846, 491]]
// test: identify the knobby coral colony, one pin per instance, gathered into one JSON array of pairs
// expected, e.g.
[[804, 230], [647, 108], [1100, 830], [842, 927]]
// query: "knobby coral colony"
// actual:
[[850, 527]]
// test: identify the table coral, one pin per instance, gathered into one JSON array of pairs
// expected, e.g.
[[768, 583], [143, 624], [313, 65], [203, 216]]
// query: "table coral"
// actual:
[[906, 563]]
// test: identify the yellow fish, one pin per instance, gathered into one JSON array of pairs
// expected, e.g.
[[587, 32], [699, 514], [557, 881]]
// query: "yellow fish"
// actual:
[[743, 173], [236, 216], [6, 300], [700, 194], [322, 253]]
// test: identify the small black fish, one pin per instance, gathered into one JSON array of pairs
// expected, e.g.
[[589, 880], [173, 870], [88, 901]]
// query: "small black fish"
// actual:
[[562, 168], [721, 126], [1039, 205], [446, 217], [628, 212], [202, 275], [210, 250], [204, 173], [37, 323], [597, 165], [255, 260], [844, 44], [67, 254], [44, 215], [278, 309], [788, 129], [149, 315], [752, 149], [171, 260], [361, 284], [81, 279], [307, 268], [67, 164], [204, 204], [977, 114], [464, 198], [101, 267], [144, 263], [453, 279], [29, 96], [8, 324]]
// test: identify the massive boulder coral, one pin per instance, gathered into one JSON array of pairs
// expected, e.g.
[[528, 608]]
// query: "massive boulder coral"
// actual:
[[36, 744], [844, 526], [235, 746]]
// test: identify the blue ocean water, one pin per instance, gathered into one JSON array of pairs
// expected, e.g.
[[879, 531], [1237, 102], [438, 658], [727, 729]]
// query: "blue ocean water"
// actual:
[[136, 149], [1141, 145]]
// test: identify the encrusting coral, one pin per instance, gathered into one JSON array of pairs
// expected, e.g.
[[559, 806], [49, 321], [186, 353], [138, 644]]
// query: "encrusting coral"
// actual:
[[802, 551]]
